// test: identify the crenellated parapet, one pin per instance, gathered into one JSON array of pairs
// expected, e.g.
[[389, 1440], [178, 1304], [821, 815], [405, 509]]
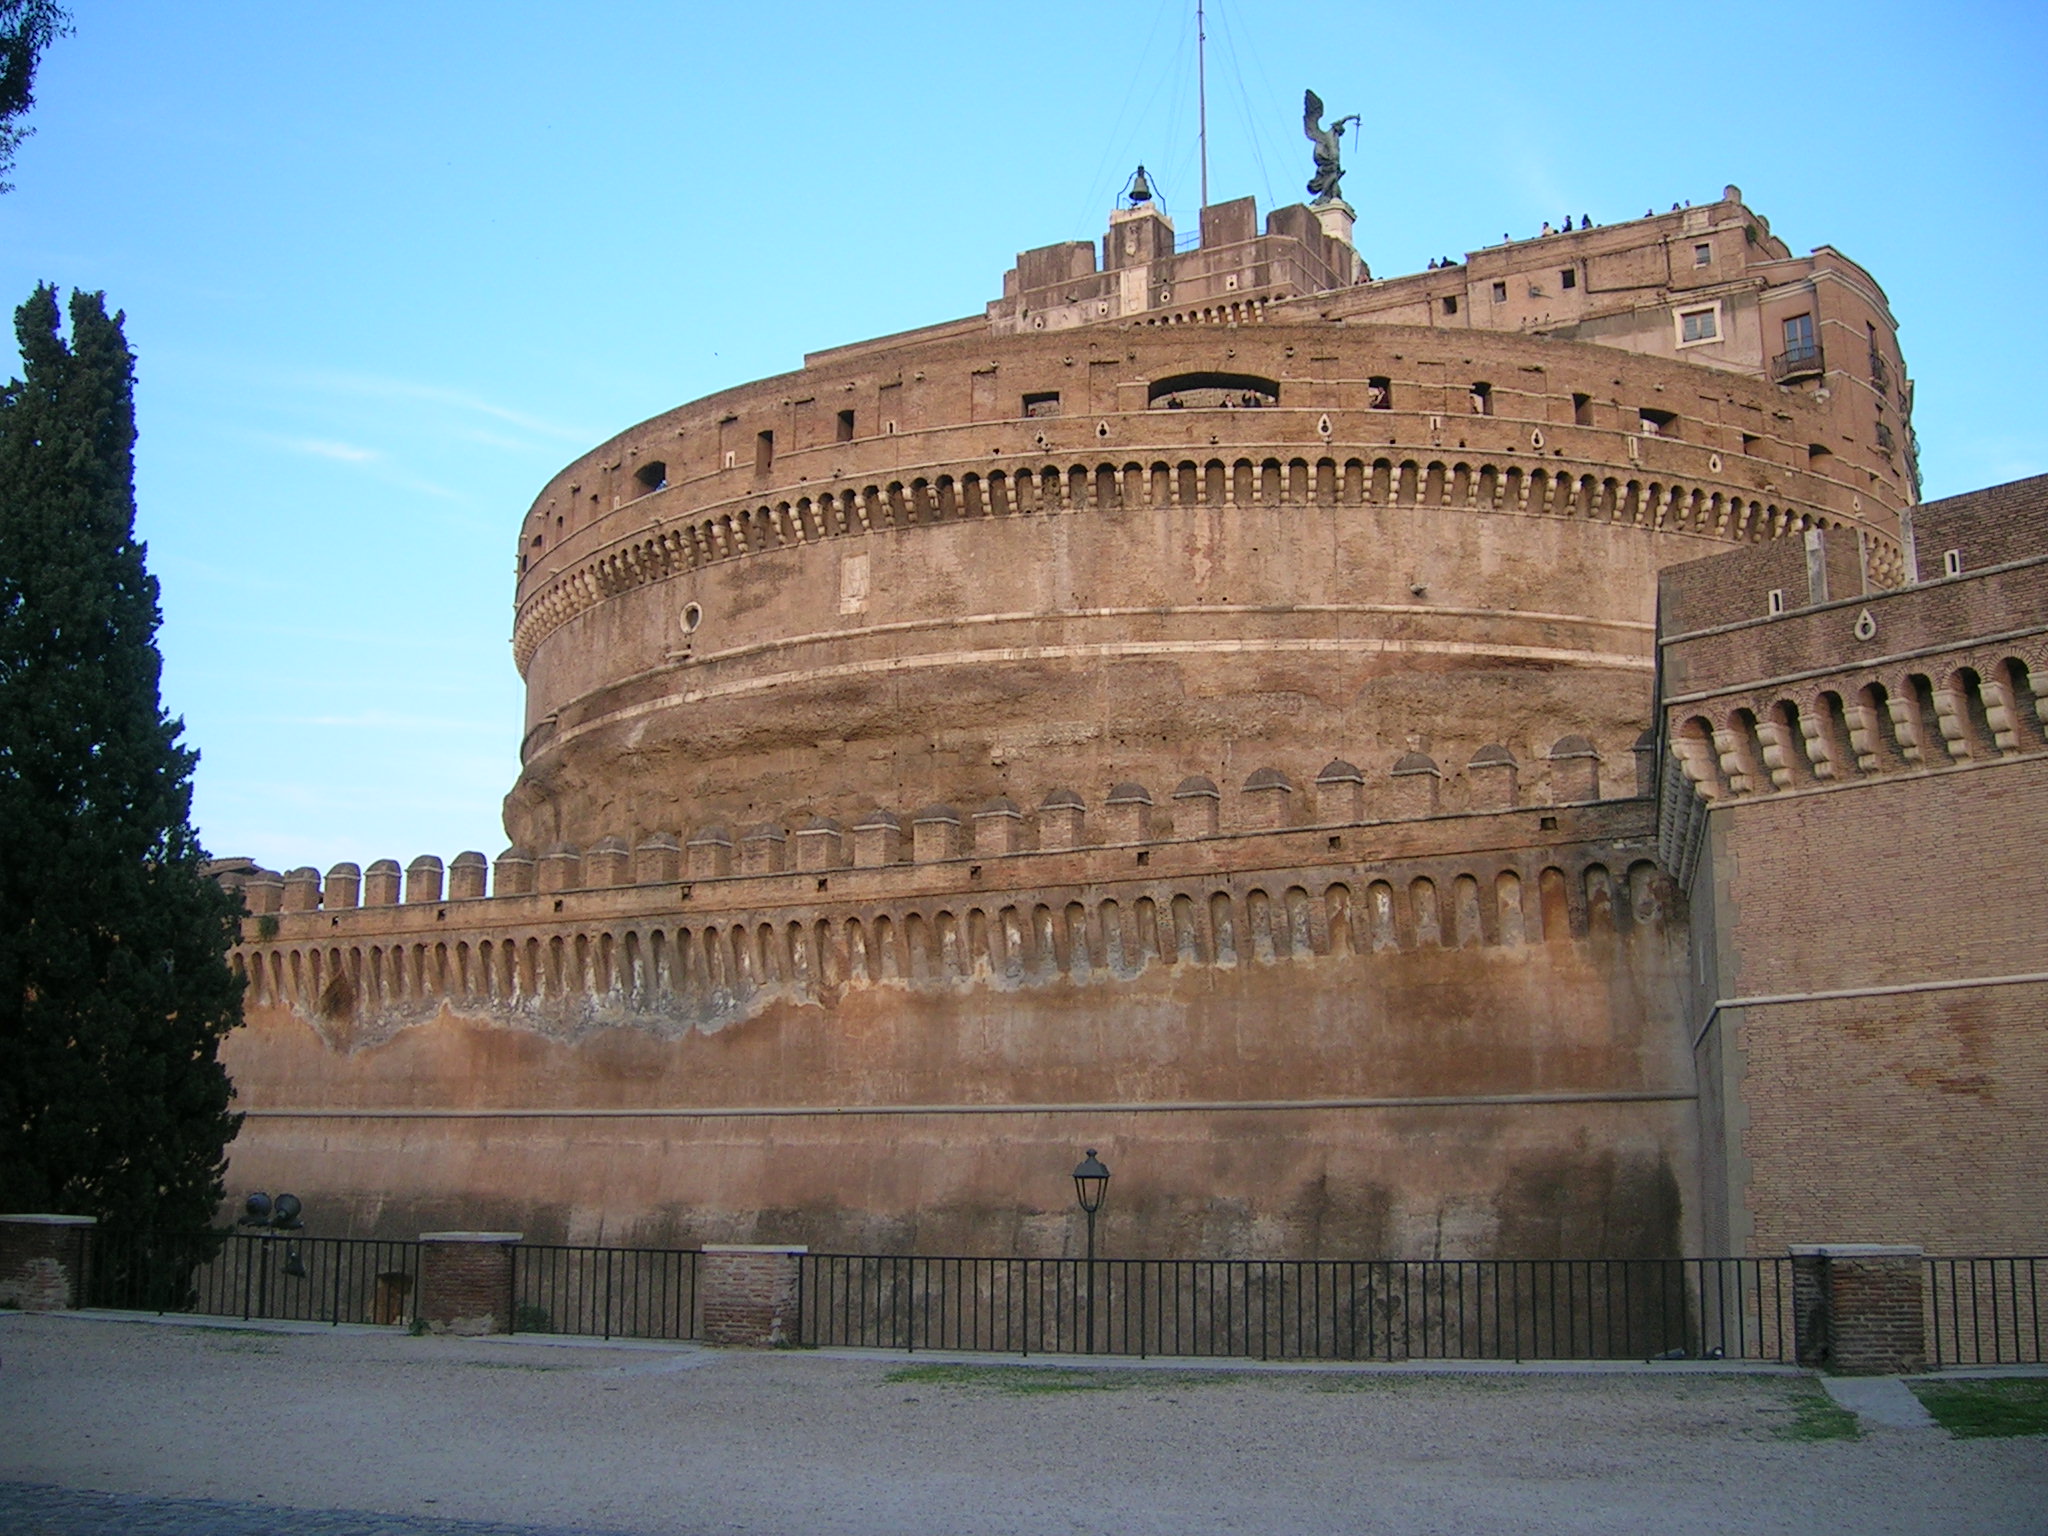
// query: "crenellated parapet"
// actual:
[[700, 954], [1811, 681]]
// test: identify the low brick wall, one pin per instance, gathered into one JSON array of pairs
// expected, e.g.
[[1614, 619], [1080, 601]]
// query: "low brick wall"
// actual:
[[42, 1260], [1860, 1308], [748, 1293], [466, 1281]]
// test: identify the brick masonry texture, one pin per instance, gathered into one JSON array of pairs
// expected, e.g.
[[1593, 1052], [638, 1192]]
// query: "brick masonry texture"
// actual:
[[465, 1285], [40, 1264], [748, 1299]]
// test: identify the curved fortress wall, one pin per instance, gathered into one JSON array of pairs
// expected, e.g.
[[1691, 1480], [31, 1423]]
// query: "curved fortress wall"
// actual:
[[1197, 710]]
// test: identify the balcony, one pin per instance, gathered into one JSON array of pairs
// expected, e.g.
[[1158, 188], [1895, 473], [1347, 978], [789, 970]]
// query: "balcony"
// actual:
[[1884, 437], [1795, 363], [1880, 372]]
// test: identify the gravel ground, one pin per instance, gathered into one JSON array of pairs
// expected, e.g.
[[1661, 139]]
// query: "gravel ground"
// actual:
[[150, 1430]]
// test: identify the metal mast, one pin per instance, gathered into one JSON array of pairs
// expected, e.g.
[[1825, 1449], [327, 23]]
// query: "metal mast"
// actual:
[[1202, 95]]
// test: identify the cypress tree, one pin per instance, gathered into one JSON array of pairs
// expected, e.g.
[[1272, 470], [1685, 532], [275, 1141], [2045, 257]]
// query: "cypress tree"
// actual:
[[114, 986]]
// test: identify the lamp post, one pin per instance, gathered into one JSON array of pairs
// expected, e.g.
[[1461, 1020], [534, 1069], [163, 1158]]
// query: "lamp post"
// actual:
[[1091, 1184], [270, 1218]]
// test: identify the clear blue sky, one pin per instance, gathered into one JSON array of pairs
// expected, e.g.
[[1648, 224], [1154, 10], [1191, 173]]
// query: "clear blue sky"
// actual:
[[388, 267]]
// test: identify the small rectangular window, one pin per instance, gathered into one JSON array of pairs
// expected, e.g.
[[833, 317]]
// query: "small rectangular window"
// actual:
[[1450, 303], [844, 432], [1482, 399], [1952, 562], [1774, 600], [1698, 325], [764, 452], [1799, 335], [1500, 293], [1703, 255], [1568, 278], [728, 458], [1379, 393], [1656, 423], [1044, 403], [1582, 410]]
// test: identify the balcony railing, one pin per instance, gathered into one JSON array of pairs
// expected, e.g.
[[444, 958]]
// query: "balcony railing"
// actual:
[[1884, 437], [1880, 372], [1800, 362]]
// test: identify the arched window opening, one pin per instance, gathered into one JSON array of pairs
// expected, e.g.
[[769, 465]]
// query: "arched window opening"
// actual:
[[1209, 391], [2022, 703]]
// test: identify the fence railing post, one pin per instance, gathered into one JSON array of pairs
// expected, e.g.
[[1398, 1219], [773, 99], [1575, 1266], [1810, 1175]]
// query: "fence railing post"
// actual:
[[42, 1260]]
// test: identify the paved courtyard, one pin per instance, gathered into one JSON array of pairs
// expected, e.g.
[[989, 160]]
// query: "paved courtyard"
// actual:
[[146, 1429]]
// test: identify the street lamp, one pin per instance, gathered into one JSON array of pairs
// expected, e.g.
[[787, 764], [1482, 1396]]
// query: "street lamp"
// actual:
[[271, 1217], [1091, 1184]]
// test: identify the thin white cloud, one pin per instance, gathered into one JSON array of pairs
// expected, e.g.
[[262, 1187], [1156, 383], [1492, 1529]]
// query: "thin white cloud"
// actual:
[[373, 387], [346, 453]]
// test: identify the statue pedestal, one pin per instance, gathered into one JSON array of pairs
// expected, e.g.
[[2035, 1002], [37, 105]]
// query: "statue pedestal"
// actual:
[[1337, 218]]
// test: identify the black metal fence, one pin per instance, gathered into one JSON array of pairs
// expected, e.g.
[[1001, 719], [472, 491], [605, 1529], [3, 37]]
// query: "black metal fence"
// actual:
[[249, 1275], [1985, 1311], [614, 1293], [1480, 1309]]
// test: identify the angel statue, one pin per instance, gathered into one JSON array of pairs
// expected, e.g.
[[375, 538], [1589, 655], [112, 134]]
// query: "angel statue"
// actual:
[[1328, 142]]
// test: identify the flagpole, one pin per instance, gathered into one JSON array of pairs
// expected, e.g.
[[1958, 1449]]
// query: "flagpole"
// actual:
[[1202, 94]]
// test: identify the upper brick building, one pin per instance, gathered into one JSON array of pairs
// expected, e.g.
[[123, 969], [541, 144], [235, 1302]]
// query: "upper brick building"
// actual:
[[1213, 706]]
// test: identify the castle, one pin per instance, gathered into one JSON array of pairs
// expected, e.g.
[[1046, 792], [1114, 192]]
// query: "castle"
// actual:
[[1472, 763]]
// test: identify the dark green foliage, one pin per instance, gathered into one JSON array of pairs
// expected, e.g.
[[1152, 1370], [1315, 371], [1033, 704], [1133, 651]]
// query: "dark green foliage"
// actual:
[[114, 987], [27, 27]]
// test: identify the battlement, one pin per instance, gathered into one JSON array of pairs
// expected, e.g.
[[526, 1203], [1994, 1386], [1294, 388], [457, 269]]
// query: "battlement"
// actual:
[[1129, 822]]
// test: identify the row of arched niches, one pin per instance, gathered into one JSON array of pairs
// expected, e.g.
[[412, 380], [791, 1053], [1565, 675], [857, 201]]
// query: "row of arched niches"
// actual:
[[1977, 706], [666, 969]]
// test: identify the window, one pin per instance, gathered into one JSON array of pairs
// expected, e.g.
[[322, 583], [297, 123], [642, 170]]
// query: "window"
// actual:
[[1774, 600], [1952, 562], [1213, 392], [1450, 303], [1656, 423], [651, 476], [1568, 278], [1044, 403], [764, 452], [843, 433], [1703, 255], [1696, 325], [1799, 335], [1582, 410], [1500, 293], [1482, 399], [1818, 456], [1379, 393]]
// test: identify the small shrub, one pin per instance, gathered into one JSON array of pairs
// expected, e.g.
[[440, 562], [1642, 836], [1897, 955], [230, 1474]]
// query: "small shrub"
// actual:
[[528, 1318]]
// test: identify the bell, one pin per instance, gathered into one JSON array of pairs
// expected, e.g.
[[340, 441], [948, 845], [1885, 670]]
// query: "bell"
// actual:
[[1141, 189]]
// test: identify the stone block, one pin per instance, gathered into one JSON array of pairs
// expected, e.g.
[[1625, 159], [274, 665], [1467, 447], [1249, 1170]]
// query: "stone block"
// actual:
[[608, 863], [658, 860], [1574, 771], [513, 874], [1496, 779], [1416, 788], [560, 869], [467, 873], [820, 845], [710, 854], [380, 884], [998, 828], [344, 887], [301, 890], [762, 848], [1269, 799], [1127, 814], [1340, 792], [1062, 820], [935, 834], [1197, 807], [423, 880], [877, 840]]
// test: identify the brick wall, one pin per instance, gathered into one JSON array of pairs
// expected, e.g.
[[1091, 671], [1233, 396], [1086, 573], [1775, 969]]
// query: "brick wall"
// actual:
[[42, 1260], [466, 1281], [1859, 1308], [749, 1294]]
